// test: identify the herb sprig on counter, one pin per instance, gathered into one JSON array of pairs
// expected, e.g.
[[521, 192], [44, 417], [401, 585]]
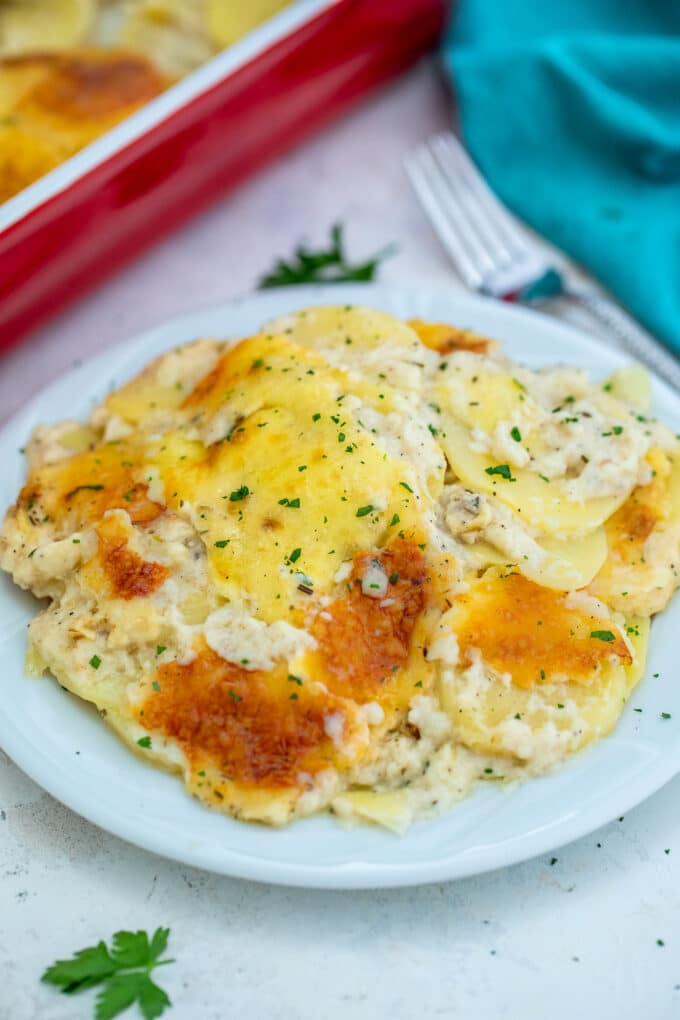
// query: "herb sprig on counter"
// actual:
[[123, 970], [328, 265]]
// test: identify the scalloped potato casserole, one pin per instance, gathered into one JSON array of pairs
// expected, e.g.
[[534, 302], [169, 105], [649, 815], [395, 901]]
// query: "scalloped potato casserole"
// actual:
[[350, 563], [70, 70]]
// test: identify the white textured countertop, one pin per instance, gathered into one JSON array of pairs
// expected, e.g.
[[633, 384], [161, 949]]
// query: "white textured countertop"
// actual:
[[576, 937]]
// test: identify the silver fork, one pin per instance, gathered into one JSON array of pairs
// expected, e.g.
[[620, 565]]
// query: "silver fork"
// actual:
[[496, 256]]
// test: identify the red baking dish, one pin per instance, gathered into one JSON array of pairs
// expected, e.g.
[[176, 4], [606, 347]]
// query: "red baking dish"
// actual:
[[62, 234]]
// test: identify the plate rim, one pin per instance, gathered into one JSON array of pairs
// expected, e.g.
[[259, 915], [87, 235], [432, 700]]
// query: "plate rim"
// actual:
[[357, 874]]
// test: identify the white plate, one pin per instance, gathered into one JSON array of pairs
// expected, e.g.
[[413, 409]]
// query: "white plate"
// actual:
[[63, 745]]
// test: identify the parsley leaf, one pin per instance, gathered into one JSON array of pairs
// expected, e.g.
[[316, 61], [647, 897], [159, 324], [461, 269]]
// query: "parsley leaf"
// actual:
[[324, 266], [602, 635], [238, 494], [83, 488], [123, 971], [501, 469]]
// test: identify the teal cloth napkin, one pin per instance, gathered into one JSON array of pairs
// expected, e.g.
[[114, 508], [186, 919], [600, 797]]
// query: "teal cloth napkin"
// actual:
[[571, 109]]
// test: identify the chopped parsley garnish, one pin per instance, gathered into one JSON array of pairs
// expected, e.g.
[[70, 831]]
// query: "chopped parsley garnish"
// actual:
[[295, 555], [95, 662], [223, 543], [294, 680], [234, 696], [363, 511], [156, 686], [295, 503], [395, 520], [603, 635], [82, 488], [328, 265], [516, 434], [239, 494], [406, 486], [122, 971], [501, 469], [341, 437], [160, 649], [144, 741], [394, 578], [315, 417], [665, 715]]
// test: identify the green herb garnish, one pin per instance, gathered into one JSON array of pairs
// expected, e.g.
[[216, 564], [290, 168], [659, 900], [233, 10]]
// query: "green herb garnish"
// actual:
[[81, 488], [239, 494], [501, 469], [323, 266], [124, 971], [602, 635]]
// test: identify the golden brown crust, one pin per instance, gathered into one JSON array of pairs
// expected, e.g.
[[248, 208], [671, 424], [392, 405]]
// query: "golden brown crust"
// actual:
[[241, 722], [52, 105], [439, 336], [128, 574], [524, 630], [364, 641]]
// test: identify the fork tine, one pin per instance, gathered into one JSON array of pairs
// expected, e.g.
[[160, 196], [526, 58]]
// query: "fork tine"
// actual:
[[464, 188], [454, 222], [493, 220], [419, 169], [455, 207]]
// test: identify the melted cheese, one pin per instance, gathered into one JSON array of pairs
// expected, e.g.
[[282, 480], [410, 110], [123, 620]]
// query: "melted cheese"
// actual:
[[295, 486], [533, 633], [537, 690], [71, 493], [643, 563], [51, 105]]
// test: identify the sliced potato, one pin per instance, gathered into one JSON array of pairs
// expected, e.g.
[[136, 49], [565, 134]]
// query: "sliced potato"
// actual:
[[568, 564], [632, 385], [543, 505], [541, 723], [30, 25], [389, 809], [229, 22], [174, 31], [346, 328], [641, 570]]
